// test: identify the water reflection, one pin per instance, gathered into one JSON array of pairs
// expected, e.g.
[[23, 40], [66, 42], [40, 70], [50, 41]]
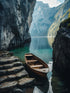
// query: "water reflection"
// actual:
[[41, 49], [49, 75], [53, 84], [39, 43], [37, 90], [28, 90], [41, 87]]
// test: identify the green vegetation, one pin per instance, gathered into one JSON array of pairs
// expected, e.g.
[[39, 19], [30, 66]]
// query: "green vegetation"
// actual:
[[66, 23], [66, 20], [68, 26]]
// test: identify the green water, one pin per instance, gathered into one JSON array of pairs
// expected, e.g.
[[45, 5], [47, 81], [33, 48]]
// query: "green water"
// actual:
[[41, 48], [44, 54], [38, 46], [20, 52]]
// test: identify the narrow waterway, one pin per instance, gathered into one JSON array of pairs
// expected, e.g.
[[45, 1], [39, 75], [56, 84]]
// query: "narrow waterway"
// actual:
[[41, 48]]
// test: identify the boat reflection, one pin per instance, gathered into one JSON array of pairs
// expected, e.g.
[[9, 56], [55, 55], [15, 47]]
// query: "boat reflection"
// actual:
[[49, 75], [40, 87], [43, 88]]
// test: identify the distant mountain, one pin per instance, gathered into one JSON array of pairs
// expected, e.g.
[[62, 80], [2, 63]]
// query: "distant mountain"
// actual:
[[59, 16], [46, 20], [43, 17]]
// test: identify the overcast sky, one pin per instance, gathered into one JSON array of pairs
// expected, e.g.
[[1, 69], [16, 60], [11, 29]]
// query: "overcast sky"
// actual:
[[52, 3]]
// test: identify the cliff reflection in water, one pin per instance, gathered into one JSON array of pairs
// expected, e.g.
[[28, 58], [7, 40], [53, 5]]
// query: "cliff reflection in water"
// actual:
[[39, 42], [42, 85], [41, 48], [43, 88]]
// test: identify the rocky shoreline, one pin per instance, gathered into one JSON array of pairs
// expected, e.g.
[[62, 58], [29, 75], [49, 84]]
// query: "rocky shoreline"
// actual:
[[26, 42], [12, 74], [61, 51]]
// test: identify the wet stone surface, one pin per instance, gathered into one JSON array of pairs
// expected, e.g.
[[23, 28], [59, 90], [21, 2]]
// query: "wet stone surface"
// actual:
[[12, 74]]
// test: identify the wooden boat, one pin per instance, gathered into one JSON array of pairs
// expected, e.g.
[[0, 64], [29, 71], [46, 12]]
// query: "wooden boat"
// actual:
[[36, 65]]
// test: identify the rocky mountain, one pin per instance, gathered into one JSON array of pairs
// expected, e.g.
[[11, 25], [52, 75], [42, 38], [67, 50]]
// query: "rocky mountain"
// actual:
[[61, 14], [61, 50], [43, 17], [46, 20], [15, 20]]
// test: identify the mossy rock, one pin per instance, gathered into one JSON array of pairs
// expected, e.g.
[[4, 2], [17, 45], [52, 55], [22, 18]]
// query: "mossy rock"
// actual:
[[66, 20], [65, 23], [68, 26]]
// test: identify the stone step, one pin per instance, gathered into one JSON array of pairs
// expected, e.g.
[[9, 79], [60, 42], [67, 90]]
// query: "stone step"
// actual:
[[6, 85], [7, 66], [12, 84], [17, 76], [7, 79], [8, 60], [5, 54], [25, 81], [23, 73], [13, 77], [11, 71], [3, 78]]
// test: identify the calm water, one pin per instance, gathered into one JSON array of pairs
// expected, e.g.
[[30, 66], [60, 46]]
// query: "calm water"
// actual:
[[41, 48], [38, 46]]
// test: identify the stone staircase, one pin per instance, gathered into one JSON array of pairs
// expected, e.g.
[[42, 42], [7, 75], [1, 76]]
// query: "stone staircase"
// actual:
[[12, 73]]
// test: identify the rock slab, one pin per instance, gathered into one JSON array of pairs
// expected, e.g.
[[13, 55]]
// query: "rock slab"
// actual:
[[12, 73]]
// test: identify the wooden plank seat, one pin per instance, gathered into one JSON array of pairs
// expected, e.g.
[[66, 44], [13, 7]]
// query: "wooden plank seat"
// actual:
[[44, 70], [28, 55], [31, 60], [36, 66]]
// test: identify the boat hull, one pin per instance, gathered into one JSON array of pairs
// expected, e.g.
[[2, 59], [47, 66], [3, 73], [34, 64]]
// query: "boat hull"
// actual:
[[34, 71]]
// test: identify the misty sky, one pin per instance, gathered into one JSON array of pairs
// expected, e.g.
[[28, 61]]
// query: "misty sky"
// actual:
[[52, 3]]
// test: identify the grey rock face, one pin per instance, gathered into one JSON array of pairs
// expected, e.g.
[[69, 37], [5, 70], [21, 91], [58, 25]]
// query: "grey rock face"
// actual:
[[43, 17], [59, 17], [15, 19], [61, 49]]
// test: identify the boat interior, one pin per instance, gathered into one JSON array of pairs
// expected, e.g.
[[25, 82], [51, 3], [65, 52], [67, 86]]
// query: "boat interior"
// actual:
[[36, 64]]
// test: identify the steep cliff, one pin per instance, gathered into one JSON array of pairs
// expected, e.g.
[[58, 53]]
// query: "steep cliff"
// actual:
[[15, 20], [58, 18], [43, 17], [61, 49]]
